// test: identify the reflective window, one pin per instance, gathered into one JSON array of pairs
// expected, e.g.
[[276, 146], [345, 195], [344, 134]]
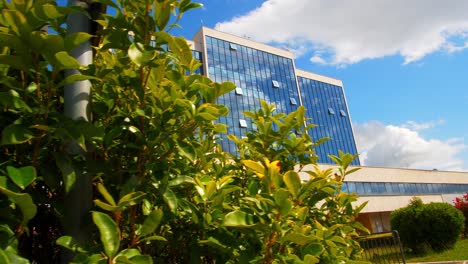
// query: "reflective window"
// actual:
[[275, 84], [399, 188], [242, 123], [232, 46]]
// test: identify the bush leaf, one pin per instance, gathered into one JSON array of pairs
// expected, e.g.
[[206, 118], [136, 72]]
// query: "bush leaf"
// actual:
[[110, 233], [22, 176]]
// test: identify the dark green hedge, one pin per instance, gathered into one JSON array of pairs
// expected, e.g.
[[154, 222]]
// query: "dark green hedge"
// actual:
[[434, 226]]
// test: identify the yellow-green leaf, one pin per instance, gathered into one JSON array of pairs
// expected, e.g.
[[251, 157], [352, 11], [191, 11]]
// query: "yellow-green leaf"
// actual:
[[293, 182], [110, 233]]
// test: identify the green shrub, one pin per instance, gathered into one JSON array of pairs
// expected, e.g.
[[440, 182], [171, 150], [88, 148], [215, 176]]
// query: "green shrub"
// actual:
[[445, 223], [160, 189], [405, 220], [434, 226]]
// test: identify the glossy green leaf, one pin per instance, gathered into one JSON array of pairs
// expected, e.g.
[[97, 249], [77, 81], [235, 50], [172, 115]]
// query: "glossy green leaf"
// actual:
[[11, 99], [190, 6], [282, 201], [152, 238], [215, 244], [14, 61], [73, 40], [110, 233], [17, 22], [210, 189], [239, 219], [186, 150], [128, 253], [181, 180], [22, 176], [314, 249], [141, 259], [180, 47], [253, 165], [138, 54], [24, 202], [162, 14], [207, 116], [16, 134], [106, 206], [4, 257], [9, 257], [297, 238], [75, 78], [293, 182], [65, 61], [47, 11], [131, 199], [309, 259], [225, 87], [220, 128], [171, 199], [151, 222], [70, 243], [107, 196], [68, 172]]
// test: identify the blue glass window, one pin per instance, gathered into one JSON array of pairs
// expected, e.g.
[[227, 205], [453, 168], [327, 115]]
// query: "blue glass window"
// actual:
[[242, 123], [275, 84]]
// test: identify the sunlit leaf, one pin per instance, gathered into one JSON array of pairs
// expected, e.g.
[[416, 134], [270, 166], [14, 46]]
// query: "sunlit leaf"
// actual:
[[239, 219], [110, 233], [151, 222], [16, 134], [22, 176], [24, 202], [138, 54], [65, 61], [70, 243], [293, 182]]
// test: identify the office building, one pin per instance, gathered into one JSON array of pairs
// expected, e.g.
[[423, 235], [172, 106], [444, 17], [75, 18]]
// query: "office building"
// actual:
[[265, 72]]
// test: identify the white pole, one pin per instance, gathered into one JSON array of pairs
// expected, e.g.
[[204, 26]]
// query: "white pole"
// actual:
[[77, 94]]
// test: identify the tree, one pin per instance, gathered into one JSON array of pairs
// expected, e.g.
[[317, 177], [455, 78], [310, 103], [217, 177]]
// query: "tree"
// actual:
[[462, 205], [163, 190]]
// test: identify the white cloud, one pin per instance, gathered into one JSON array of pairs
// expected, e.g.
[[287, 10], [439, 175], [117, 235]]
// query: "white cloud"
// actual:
[[403, 147], [353, 30], [422, 126]]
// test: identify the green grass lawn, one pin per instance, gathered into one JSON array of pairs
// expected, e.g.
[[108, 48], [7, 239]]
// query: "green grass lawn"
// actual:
[[459, 252]]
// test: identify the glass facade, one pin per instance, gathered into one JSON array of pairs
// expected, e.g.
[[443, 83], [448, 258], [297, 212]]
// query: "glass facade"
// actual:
[[262, 75], [258, 74], [396, 188], [198, 55], [326, 107]]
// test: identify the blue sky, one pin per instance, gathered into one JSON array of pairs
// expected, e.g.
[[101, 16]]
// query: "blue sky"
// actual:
[[404, 66]]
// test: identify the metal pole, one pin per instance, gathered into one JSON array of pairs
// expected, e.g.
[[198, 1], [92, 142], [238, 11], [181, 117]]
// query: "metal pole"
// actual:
[[77, 94], [78, 202]]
